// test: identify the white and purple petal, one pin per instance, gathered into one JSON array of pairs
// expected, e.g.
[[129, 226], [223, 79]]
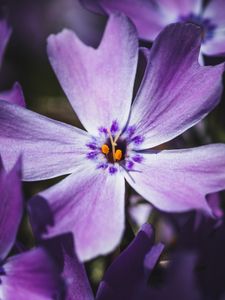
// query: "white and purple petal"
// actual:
[[98, 82], [49, 148], [215, 46], [214, 13], [176, 91], [138, 210], [179, 180], [88, 203]]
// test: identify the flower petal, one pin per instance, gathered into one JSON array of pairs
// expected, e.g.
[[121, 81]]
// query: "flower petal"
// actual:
[[31, 275], [5, 32], [49, 148], [215, 46], [216, 14], [61, 248], [90, 204], [15, 95], [139, 211], [127, 277], [11, 207], [145, 14], [214, 201], [178, 180], [181, 281], [174, 9], [149, 16], [98, 82], [176, 91]]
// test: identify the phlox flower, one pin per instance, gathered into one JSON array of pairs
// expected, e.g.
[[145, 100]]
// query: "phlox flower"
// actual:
[[175, 93], [151, 16]]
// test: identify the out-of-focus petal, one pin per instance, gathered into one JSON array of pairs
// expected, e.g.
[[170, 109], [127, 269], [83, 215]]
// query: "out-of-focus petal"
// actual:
[[127, 277], [178, 180], [216, 45], [14, 95], [139, 211], [149, 16], [88, 203], [181, 280], [5, 32], [30, 276], [98, 82], [49, 148], [176, 91], [61, 249], [174, 9], [93, 6], [146, 14], [214, 201], [215, 13], [11, 207]]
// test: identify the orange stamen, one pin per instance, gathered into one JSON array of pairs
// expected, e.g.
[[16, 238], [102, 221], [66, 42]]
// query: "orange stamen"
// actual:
[[118, 154], [105, 149]]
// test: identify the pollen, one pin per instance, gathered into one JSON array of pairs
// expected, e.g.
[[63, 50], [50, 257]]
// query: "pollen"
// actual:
[[105, 149], [118, 154]]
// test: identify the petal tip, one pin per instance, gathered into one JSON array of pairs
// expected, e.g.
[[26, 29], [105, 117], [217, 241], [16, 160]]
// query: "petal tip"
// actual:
[[148, 230]]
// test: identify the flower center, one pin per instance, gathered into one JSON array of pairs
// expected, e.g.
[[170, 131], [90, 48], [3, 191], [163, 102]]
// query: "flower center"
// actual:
[[114, 149]]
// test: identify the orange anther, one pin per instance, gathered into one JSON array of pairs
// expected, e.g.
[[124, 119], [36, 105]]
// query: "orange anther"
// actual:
[[118, 154], [105, 149]]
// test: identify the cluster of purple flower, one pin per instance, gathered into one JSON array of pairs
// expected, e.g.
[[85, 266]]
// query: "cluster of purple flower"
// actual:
[[83, 216]]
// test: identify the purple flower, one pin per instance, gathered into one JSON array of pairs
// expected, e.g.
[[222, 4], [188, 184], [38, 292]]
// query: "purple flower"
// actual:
[[30, 275], [174, 95], [14, 95], [126, 278], [150, 17]]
